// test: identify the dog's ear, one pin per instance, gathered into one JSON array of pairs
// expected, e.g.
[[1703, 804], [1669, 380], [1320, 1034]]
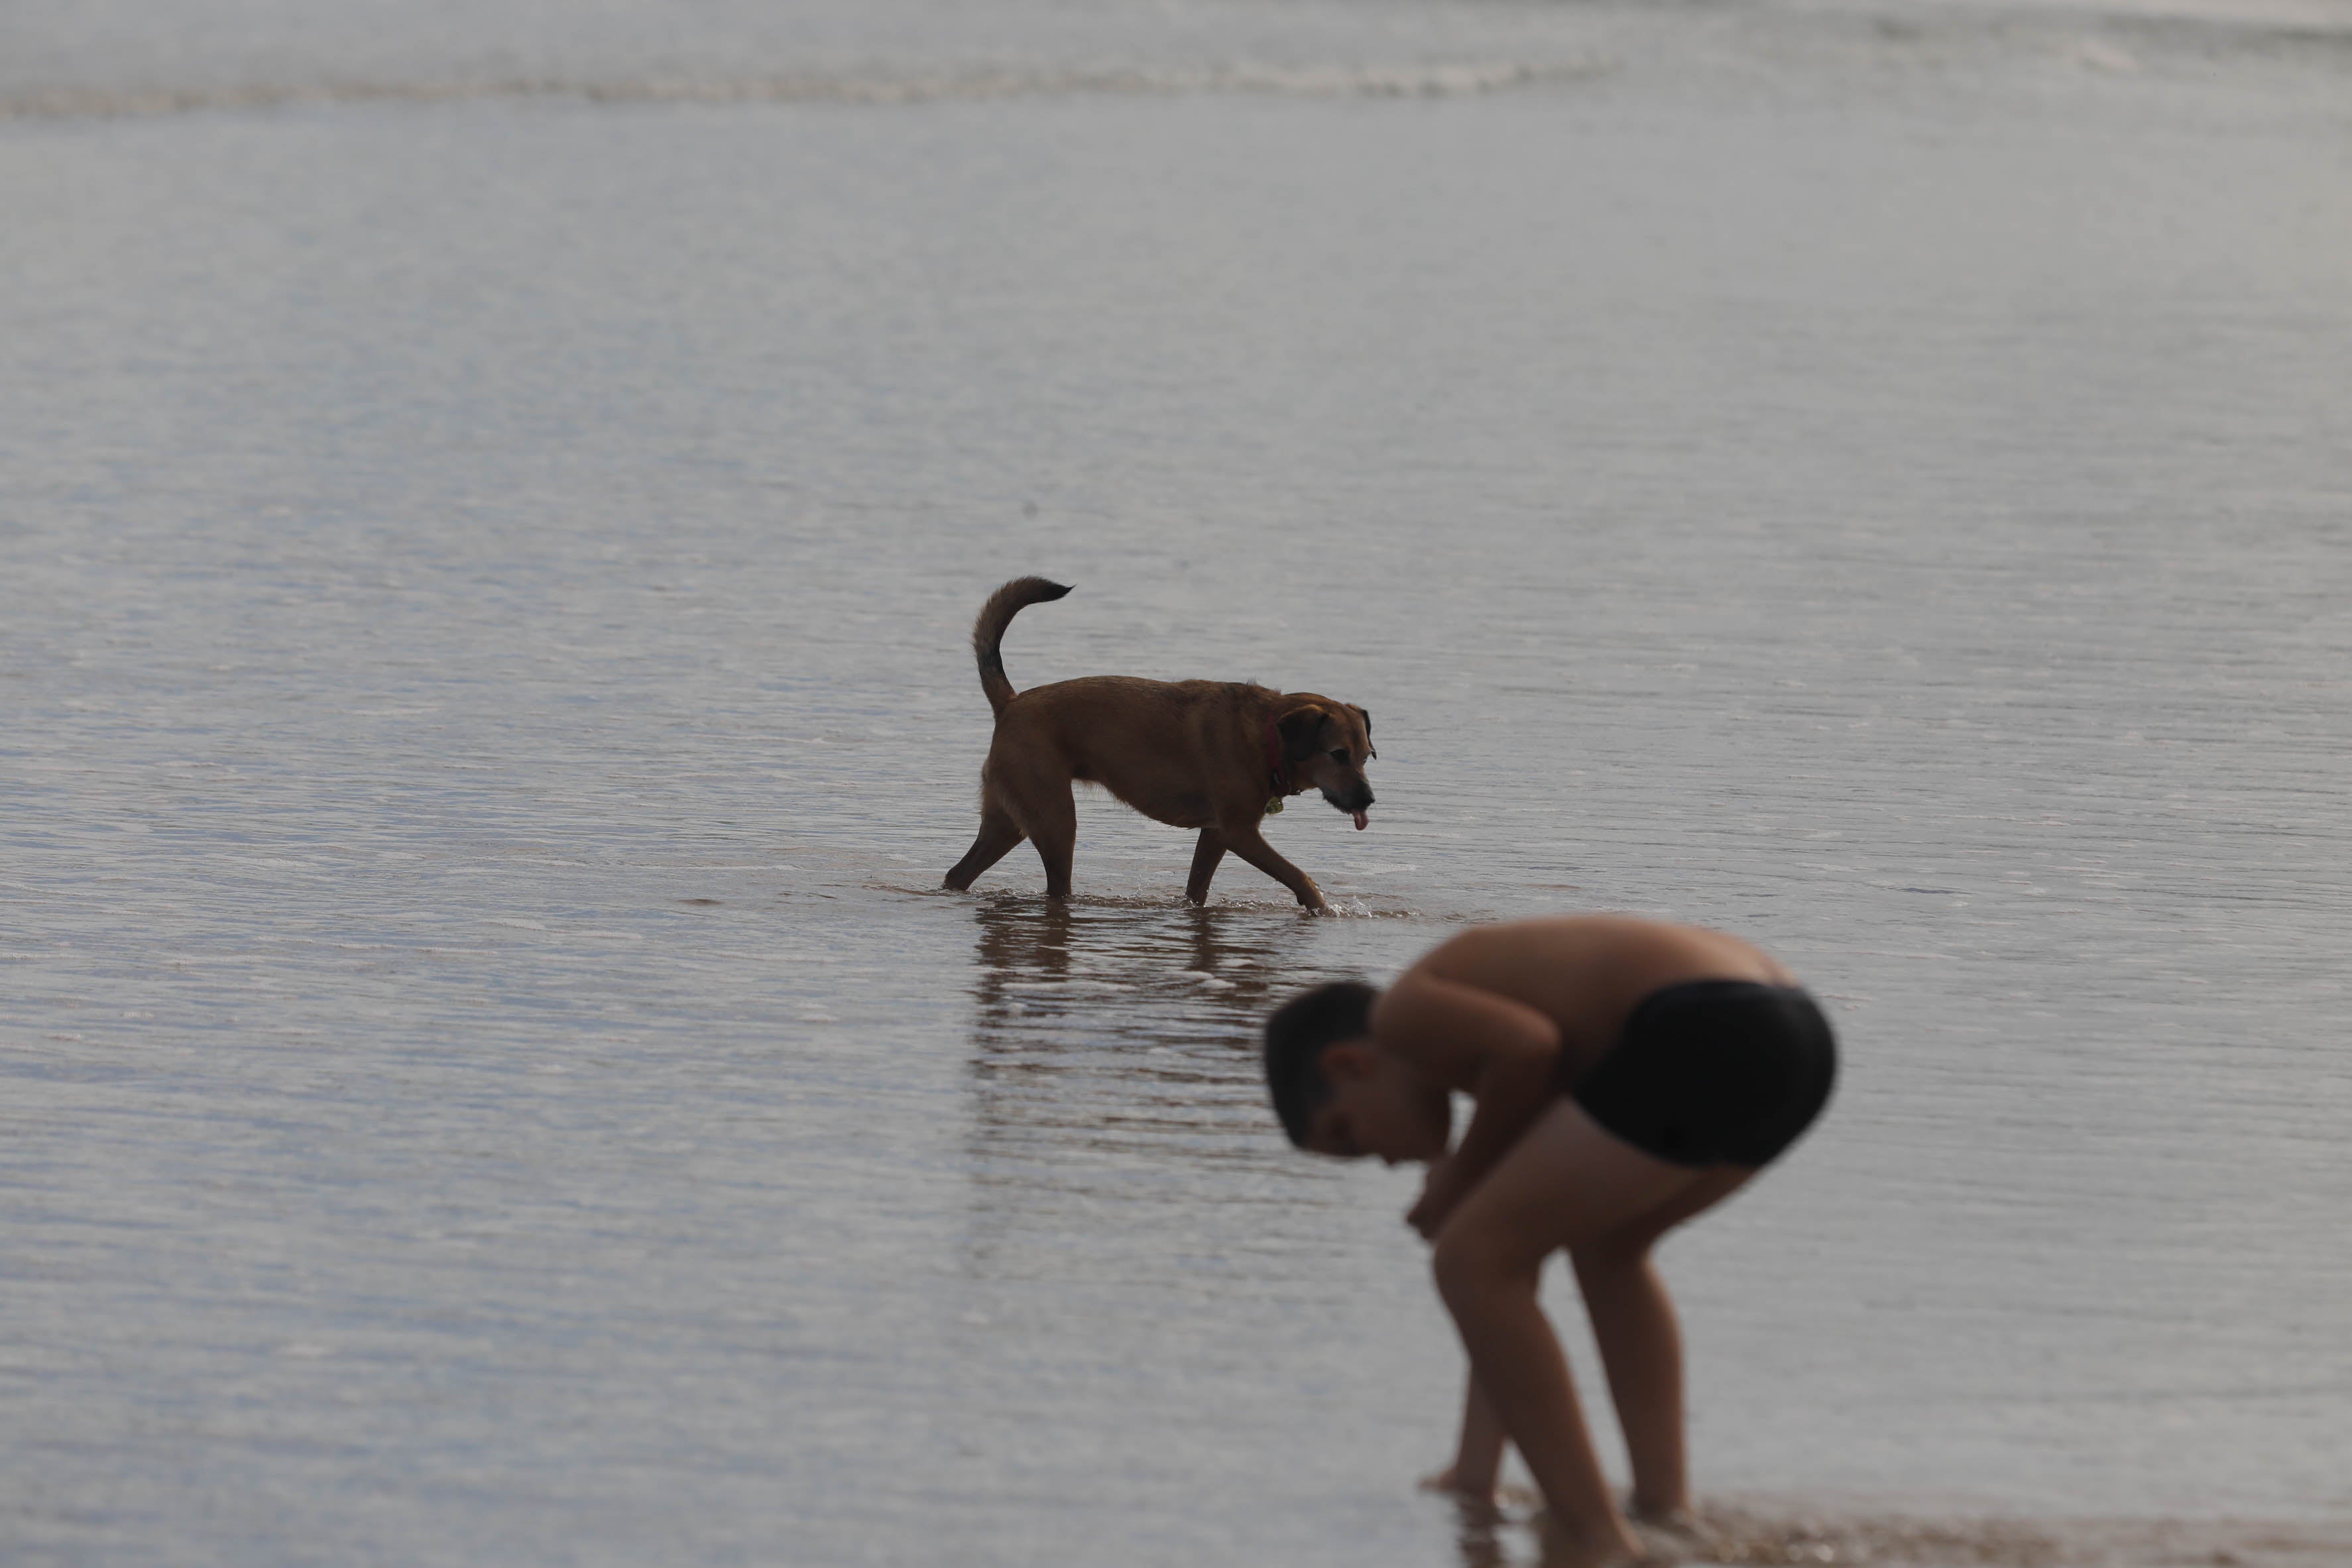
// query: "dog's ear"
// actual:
[[1370, 751], [1298, 729]]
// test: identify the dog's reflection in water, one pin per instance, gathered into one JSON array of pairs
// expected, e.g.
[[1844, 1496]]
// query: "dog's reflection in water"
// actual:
[[1110, 1022], [1113, 1083], [1134, 976]]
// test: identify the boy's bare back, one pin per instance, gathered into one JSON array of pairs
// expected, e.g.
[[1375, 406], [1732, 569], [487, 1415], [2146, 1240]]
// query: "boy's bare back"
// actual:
[[1588, 972]]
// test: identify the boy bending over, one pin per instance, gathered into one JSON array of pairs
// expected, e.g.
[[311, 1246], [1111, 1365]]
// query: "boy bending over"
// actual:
[[1627, 1074]]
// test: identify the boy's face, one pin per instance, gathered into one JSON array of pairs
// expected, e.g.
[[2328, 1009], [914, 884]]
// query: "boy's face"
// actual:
[[1378, 1106]]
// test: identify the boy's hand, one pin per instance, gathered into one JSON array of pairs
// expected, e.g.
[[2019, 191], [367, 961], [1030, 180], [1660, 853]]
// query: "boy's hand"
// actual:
[[1439, 1194]]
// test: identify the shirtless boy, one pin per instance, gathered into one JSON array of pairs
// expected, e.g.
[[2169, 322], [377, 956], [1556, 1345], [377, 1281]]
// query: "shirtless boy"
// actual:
[[1627, 1074]]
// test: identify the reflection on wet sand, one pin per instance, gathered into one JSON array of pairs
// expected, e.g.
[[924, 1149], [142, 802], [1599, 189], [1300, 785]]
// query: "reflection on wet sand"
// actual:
[[1769, 1536], [1479, 1535]]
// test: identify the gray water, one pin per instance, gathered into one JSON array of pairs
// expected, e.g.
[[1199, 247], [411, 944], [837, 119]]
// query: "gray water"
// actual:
[[491, 505]]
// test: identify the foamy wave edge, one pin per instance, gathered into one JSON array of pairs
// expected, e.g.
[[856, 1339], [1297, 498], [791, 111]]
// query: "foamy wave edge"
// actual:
[[1456, 79]]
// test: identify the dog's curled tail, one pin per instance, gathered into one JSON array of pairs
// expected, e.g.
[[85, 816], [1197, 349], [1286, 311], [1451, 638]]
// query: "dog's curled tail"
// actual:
[[988, 632]]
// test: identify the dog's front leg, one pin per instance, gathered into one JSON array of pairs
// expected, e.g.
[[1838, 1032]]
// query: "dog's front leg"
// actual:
[[1205, 856], [1251, 845]]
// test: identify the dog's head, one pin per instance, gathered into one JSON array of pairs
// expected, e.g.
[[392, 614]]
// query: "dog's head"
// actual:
[[1327, 744]]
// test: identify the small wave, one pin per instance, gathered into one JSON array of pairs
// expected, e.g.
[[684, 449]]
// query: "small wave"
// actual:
[[1451, 79]]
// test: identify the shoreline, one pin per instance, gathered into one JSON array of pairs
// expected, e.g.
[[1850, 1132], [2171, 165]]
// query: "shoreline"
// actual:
[[1767, 1531]]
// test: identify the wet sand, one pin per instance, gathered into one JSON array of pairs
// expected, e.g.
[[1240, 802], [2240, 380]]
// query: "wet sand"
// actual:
[[1786, 1532], [1792, 1535]]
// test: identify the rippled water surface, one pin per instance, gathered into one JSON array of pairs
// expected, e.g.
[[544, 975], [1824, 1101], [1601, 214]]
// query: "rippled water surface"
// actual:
[[490, 520]]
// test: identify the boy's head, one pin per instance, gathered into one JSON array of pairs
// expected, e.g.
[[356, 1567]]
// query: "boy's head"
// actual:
[[1338, 1091]]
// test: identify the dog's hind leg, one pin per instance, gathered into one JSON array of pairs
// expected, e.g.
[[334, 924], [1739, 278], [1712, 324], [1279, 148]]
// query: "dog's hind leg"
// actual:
[[999, 833], [1053, 819], [1205, 856]]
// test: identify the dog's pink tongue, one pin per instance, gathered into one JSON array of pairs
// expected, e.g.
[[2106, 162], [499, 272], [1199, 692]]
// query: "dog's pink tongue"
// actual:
[[1362, 821]]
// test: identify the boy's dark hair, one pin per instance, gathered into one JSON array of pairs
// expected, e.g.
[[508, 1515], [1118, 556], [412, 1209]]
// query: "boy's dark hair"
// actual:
[[1295, 1038]]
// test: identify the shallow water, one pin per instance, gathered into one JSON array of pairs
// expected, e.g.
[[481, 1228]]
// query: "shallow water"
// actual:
[[484, 577]]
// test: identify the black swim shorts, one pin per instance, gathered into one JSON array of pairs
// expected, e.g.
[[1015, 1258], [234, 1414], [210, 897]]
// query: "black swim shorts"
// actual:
[[1713, 1072]]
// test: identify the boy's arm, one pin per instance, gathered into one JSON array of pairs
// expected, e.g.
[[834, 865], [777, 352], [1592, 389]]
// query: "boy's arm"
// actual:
[[1502, 1051]]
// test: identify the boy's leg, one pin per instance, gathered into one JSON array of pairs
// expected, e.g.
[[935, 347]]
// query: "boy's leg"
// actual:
[[1641, 1346], [1478, 1457], [1565, 1182]]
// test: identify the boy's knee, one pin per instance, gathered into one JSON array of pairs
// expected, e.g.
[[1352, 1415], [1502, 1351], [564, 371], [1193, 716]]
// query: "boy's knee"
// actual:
[[1466, 1264], [1608, 1255]]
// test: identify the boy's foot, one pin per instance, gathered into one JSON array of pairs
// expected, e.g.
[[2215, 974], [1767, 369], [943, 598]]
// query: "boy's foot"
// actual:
[[1605, 1547], [1448, 1482], [1502, 1495], [1676, 1522], [1669, 1535]]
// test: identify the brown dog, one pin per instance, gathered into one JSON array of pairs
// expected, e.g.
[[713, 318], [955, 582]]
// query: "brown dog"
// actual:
[[1211, 755]]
